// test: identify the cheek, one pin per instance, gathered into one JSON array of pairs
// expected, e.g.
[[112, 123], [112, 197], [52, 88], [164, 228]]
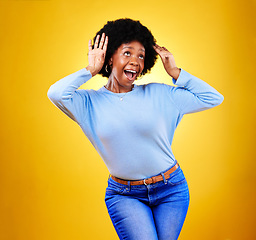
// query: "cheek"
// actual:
[[120, 64], [118, 70], [123, 62], [142, 66]]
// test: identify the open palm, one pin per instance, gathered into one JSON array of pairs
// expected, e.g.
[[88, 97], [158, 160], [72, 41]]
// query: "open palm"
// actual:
[[167, 59], [96, 56]]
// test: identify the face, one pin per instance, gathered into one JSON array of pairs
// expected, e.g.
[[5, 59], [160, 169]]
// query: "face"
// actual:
[[127, 64]]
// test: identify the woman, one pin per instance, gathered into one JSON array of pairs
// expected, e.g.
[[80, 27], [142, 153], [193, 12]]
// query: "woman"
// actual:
[[132, 126]]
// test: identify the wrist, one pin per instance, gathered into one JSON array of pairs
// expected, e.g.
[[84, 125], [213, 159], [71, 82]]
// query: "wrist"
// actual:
[[175, 72], [92, 71]]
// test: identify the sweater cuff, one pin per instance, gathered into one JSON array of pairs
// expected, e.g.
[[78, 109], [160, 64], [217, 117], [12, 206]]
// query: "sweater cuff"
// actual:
[[182, 79], [85, 71]]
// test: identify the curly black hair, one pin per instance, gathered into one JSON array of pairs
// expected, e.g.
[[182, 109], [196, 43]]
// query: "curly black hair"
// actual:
[[126, 30]]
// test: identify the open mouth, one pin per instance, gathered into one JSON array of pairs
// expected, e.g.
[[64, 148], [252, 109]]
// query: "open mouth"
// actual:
[[130, 74]]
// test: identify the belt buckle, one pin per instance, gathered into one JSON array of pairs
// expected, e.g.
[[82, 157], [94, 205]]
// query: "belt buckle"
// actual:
[[144, 182]]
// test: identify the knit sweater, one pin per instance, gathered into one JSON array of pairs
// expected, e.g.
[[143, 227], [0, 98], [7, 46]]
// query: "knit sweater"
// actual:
[[133, 131]]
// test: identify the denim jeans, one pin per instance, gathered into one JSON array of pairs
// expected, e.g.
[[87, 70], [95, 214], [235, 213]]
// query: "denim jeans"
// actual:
[[149, 212]]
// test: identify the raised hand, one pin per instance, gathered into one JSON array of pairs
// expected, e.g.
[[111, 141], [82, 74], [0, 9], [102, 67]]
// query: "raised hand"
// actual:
[[96, 56], [168, 61]]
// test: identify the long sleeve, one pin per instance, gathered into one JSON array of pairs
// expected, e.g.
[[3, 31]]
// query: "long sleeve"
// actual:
[[194, 95], [67, 98]]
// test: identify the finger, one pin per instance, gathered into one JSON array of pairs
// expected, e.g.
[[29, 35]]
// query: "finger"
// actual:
[[105, 44], [102, 40], [97, 41], [158, 46], [165, 49], [156, 49], [90, 45], [155, 46]]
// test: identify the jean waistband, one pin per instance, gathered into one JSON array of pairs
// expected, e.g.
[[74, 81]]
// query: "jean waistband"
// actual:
[[161, 177]]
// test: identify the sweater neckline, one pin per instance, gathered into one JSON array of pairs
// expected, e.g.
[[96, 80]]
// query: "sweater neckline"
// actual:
[[103, 89]]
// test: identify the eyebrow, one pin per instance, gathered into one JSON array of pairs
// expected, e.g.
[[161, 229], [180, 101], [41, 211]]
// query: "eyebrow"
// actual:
[[133, 48]]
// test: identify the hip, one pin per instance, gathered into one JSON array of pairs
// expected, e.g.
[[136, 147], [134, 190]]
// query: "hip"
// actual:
[[173, 187]]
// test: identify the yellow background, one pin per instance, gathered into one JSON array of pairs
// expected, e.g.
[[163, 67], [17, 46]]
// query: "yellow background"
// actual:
[[52, 181]]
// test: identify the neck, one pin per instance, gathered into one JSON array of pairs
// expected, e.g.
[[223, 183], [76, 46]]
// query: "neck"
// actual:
[[113, 86]]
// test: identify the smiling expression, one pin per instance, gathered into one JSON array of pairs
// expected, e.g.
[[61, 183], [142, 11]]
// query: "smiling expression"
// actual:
[[127, 64]]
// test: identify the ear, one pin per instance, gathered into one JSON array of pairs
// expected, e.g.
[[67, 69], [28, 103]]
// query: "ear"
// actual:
[[110, 62]]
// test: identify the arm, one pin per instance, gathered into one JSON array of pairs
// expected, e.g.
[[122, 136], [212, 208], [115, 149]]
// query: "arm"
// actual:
[[192, 94], [67, 98], [64, 93]]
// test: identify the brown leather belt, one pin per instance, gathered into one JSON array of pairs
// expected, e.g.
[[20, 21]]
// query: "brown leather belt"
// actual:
[[148, 181]]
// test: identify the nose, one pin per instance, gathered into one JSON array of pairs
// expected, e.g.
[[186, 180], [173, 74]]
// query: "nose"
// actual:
[[134, 61]]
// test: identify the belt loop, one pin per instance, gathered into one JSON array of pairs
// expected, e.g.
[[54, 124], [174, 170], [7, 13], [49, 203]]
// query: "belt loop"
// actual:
[[175, 162], [165, 182], [129, 186]]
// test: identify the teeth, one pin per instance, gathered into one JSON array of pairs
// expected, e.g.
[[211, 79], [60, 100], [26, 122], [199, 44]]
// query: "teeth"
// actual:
[[132, 71]]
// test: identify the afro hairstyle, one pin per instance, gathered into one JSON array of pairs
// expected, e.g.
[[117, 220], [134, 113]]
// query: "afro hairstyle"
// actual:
[[126, 30]]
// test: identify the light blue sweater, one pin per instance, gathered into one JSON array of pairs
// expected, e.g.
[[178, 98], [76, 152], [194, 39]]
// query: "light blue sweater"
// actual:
[[134, 135]]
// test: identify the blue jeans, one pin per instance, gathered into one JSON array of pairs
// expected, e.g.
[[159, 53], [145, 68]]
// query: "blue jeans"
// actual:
[[149, 212]]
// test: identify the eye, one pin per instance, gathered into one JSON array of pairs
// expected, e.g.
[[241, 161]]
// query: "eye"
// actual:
[[141, 56], [127, 53]]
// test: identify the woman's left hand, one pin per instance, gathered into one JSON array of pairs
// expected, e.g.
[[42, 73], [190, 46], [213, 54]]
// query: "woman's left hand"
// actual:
[[168, 61]]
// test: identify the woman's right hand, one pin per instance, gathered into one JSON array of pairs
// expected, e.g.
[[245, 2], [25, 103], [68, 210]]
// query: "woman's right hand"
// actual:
[[96, 56]]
